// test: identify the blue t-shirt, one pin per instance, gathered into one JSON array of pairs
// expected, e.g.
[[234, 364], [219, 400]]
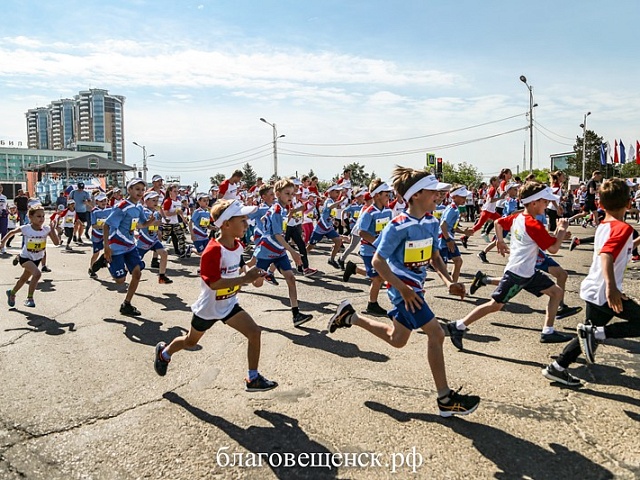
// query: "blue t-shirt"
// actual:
[[148, 235], [353, 213], [268, 246], [98, 218], [510, 206], [80, 196], [257, 217], [122, 222], [451, 215], [407, 244], [201, 219], [325, 222], [372, 220]]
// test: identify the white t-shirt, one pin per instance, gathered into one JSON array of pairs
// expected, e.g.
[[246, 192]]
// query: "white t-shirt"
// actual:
[[3, 202], [491, 200], [296, 218], [616, 238], [173, 207], [35, 241]]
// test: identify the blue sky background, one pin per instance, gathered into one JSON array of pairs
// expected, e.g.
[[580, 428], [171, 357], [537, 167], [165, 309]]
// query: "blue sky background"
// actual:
[[198, 76]]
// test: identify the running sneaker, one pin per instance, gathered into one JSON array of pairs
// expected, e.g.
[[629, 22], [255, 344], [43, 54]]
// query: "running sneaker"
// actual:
[[68, 248], [128, 309], [554, 337], [342, 317], [575, 242], [486, 238], [301, 318], [458, 404], [155, 263], [15, 260], [635, 258], [45, 269], [29, 302], [80, 242], [376, 309], [309, 272], [11, 298], [341, 263], [333, 263], [465, 241], [588, 342], [483, 256], [259, 384], [100, 263], [92, 274], [564, 377], [567, 311], [270, 278], [75, 239], [160, 364], [3, 251], [164, 279], [478, 281], [349, 270], [456, 335]]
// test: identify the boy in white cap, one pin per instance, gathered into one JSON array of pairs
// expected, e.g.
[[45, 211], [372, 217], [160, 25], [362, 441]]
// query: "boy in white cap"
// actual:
[[69, 218], [325, 227], [403, 250], [528, 237], [220, 283], [200, 224], [448, 228], [99, 215], [148, 236]]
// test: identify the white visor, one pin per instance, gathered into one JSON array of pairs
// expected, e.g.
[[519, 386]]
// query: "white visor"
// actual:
[[150, 195], [429, 182], [296, 181], [332, 188], [383, 187], [511, 185], [236, 209], [460, 192], [100, 197], [546, 194], [630, 183]]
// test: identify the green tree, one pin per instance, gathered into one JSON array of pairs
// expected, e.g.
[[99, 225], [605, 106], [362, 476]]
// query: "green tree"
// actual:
[[358, 174], [592, 151], [630, 170], [217, 179], [249, 175], [463, 173]]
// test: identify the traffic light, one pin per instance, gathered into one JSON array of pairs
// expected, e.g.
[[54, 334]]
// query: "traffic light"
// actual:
[[439, 165]]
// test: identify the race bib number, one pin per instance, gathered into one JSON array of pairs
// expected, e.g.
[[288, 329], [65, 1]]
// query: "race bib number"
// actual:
[[381, 223], [298, 215], [204, 221], [68, 221], [134, 224], [35, 245], [224, 293], [333, 213], [417, 252], [100, 222], [356, 214], [310, 215], [13, 218], [153, 228], [284, 224]]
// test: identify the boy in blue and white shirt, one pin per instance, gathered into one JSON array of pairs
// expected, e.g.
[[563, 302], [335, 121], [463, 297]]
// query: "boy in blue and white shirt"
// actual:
[[448, 228], [324, 227], [200, 224], [148, 236], [99, 215]]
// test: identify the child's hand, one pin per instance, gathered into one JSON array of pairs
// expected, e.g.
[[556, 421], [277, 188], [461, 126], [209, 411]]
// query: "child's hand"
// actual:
[[502, 248], [457, 289], [254, 273], [615, 298], [412, 300]]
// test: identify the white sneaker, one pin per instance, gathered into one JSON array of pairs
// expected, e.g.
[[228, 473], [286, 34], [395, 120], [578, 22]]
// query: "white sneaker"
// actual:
[[3, 251]]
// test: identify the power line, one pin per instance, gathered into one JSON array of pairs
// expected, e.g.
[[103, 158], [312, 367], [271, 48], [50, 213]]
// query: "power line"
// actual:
[[552, 139], [550, 131], [270, 144], [208, 167]]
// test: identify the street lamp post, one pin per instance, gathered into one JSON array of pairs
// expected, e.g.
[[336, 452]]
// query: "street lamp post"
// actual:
[[275, 146], [144, 160], [584, 144], [523, 79]]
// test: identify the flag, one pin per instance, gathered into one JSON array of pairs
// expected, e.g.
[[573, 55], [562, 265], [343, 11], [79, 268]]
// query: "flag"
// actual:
[[616, 159], [631, 153], [637, 152], [607, 151], [623, 156], [603, 154]]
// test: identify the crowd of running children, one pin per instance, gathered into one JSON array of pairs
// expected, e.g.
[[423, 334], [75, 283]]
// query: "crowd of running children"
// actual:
[[247, 236]]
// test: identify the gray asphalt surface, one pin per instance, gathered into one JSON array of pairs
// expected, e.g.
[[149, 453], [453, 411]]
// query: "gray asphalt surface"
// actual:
[[80, 398]]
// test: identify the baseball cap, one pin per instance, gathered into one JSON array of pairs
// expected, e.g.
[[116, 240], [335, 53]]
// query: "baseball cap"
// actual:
[[150, 195], [80, 185], [100, 197], [135, 181], [156, 178]]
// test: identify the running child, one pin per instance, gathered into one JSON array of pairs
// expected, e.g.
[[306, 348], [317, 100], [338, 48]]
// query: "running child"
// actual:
[[528, 236], [448, 228], [325, 227], [35, 235], [200, 224], [120, 249], [220, 282], [402, 252], [99, 215], [488, 211], [69, 219], [351, 215], [272, 248], [148, 236], [602, 288]]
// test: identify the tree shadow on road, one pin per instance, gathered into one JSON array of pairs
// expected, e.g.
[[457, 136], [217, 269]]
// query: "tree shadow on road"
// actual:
[[147, 332], [608, 375], [283, 436], [40, 323], [46, 285], [170, 301], [321, 341], [515, 457]]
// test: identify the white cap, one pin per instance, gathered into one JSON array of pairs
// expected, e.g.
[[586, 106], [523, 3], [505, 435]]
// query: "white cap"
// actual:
[[460, 192], [71, 201], [155, 178], [546, 194], [296, 181], [630, 183], [135, 181], [430, 182], [511, 185], [100, 197], [333, 187], [236, 209], [150, 195]]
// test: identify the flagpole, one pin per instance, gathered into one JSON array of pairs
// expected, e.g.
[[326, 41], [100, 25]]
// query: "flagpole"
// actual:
[[584, 145]]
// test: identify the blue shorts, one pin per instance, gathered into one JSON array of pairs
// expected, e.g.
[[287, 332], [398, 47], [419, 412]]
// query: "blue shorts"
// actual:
[[156, 246], [368, 264], [546, 263], [282, 263], [511, 284], [446, 254], [415, 320], [97, 246], [131, 259], [200, 245], [316, 237]]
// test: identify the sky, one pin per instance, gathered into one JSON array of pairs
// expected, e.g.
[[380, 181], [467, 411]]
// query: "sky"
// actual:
[[375, 82]]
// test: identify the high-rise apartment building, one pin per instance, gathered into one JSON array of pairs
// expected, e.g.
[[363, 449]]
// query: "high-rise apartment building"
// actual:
[[91, 116]]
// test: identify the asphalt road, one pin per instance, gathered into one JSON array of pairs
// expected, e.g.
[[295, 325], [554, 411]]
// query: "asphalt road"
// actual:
[[80, 398]]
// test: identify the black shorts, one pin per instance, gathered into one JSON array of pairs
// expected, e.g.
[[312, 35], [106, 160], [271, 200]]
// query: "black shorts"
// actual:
[[511, 284], [202, 325], [84, 217], [68, 231], [24, 260], [590, 207]]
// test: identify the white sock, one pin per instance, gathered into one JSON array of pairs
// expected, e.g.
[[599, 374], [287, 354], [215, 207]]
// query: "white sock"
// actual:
[[460, 325], [557, 366], [547, 330], [599, 333]]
